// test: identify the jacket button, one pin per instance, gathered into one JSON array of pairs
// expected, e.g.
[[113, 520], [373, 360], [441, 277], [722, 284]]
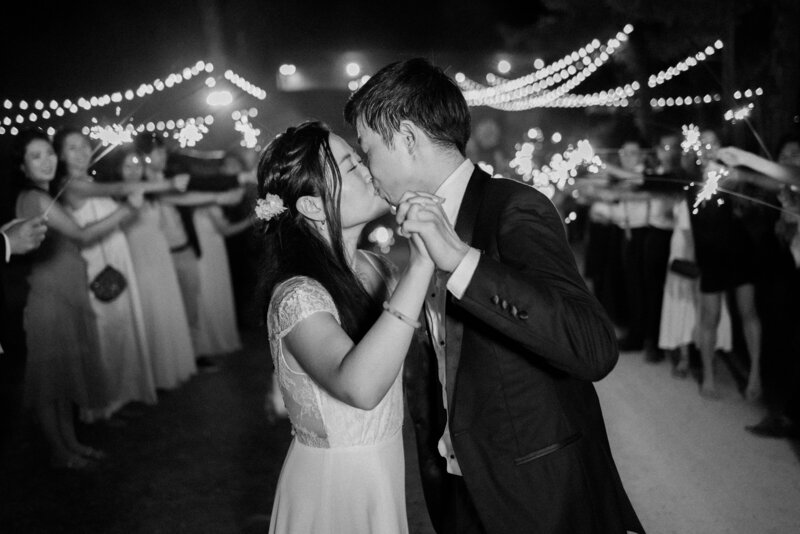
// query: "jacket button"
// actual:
[[514, 311], [504, 304], [495, 300], [523, 315]]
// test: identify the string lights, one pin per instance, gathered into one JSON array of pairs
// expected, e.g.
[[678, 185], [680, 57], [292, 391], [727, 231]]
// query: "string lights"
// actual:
[[10, 124], [682, 66], [540, 87], [81, 103], [245, 85]]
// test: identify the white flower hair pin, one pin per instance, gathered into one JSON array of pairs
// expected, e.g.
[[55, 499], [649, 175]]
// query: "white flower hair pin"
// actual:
[[269, 207]]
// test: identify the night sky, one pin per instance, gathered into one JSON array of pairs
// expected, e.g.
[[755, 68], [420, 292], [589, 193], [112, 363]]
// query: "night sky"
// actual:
[[76, 48]]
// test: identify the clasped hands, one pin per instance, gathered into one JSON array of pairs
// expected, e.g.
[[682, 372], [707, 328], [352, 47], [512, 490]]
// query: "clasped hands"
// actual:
[[421, 218]]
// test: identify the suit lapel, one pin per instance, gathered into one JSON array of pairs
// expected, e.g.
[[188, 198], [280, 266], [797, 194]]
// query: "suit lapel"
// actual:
[[465, 226]]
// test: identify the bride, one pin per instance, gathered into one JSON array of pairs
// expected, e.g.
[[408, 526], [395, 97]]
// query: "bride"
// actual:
[[339, 329]]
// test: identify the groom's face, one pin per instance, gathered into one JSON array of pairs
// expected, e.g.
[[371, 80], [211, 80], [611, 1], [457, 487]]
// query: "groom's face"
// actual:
[[389, 165]]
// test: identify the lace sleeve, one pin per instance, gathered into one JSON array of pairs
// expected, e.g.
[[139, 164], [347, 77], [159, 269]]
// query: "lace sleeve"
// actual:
[[295, 300]]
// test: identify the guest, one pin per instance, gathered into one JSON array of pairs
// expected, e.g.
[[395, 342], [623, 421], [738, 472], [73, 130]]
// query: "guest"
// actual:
[[664, 185], [780, 288], [634, 223], [725, 257], [166, 325], [678, 328], [182, 239], [218, 330], [60, 323], [120, 323], [244, 249], [17, 237]]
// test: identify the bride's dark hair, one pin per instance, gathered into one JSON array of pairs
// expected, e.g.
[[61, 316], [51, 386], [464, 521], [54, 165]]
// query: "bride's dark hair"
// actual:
[[299, 163]]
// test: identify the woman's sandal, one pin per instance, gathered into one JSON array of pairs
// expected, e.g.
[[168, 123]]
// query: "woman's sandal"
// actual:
[[75, 462], [93, 454], [89, 453]]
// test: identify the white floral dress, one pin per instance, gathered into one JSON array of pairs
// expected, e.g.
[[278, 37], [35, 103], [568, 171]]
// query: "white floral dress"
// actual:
[[345, 470]]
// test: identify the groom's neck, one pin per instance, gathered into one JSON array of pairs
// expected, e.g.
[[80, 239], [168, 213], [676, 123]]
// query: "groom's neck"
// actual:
[[441, 166]]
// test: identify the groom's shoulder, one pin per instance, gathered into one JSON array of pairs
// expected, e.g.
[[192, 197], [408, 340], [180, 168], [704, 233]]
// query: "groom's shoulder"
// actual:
[[503, 190]]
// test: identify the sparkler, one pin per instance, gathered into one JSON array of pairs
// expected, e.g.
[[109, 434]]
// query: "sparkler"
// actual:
[[691, 138], [113, 135], [249, 132], [191, 133], [560, 171], [740, 114], [710, 186]]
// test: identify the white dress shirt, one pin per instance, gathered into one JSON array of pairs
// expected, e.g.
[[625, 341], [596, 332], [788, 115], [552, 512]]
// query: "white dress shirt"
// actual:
[[3, 230], [452, 190]]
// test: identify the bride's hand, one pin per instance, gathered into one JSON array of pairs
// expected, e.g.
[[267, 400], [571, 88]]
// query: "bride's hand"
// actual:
[[418, 252]]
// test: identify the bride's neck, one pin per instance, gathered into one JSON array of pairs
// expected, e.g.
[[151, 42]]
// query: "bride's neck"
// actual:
[[350, 238]]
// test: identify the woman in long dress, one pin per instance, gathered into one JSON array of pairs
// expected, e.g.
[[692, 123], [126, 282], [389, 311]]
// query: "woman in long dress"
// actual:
[[120, 323], [337, 351], [218, 331], [166, 326], [60, 327]]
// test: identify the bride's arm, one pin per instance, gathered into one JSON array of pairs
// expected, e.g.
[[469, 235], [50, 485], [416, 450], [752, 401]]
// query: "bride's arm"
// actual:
[[361, 374]]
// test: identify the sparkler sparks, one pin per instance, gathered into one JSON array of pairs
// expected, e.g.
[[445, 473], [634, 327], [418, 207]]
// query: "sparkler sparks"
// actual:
[[691, 138], [740, 114], [191, 133], [561, 170], [249, 132], [113, 135], [710, 186]]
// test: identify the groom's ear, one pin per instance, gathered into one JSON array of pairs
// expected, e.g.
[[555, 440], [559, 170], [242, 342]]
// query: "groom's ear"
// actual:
[[311, 207], [409, 136]]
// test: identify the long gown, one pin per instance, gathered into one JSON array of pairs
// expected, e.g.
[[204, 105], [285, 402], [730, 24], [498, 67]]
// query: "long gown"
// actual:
[[166, 326], [217, 331], [344, 471], [60, 328], [120, 323]]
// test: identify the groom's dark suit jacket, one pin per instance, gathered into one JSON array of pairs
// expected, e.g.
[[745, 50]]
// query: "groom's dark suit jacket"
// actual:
[[523, 346]]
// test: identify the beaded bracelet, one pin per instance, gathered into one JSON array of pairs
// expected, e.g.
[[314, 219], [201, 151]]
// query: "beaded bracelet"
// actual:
[[403, 317]]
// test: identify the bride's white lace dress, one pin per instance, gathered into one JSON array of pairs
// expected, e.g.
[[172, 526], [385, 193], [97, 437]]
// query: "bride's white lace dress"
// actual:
[[344, 472]]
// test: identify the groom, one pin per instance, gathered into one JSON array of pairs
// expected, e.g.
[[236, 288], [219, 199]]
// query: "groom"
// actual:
[[509, 428]]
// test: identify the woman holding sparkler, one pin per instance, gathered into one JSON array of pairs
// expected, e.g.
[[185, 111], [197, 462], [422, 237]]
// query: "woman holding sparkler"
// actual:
[[124, 350], [60, 324], [725, 257]]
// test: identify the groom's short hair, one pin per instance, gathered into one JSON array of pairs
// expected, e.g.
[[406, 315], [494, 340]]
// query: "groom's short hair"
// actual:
[[417, 91]]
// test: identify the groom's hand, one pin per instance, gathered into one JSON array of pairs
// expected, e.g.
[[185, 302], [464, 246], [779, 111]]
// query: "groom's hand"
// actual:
[[422, 214]]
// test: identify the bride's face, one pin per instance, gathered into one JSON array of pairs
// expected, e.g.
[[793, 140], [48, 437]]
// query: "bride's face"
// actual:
[[360, 202]]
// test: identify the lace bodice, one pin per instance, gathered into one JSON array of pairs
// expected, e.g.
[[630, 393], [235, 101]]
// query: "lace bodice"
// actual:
[[318, 419]]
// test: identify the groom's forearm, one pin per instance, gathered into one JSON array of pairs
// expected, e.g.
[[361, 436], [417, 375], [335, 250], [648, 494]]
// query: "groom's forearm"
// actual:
[[533, 294], [566, 331]]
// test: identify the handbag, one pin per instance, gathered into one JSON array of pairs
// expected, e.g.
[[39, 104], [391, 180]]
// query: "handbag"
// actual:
[[685, 268], [109, 283]]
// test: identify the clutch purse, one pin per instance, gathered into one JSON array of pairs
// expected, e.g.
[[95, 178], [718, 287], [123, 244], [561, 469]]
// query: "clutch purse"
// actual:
[[108, 284], [685, 268]]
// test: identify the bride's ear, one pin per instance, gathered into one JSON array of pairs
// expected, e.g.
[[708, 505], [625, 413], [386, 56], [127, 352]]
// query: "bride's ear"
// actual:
[[311, 208]]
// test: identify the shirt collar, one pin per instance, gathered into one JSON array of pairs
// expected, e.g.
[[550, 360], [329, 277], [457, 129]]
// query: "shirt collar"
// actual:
[[453, 189]]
